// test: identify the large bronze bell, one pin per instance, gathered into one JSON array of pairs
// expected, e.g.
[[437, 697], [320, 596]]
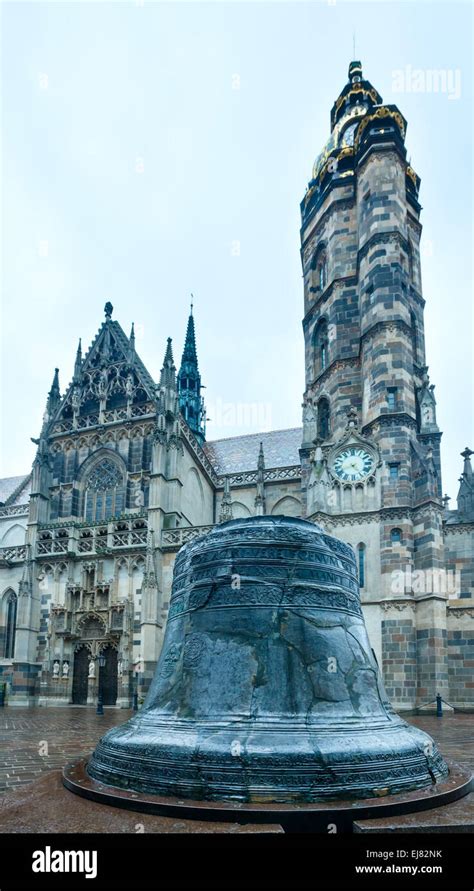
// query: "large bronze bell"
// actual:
[[267, 688]]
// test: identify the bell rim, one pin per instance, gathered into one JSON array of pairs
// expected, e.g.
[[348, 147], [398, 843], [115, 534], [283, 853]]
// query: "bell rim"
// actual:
[[458, 783]]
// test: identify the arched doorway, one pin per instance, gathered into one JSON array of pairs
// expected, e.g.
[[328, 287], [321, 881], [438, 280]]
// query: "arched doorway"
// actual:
[[108, 676], [80, 678]]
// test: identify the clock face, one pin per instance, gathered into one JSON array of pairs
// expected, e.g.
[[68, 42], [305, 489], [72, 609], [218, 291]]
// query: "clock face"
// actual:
[[348, 137], [352, 464]]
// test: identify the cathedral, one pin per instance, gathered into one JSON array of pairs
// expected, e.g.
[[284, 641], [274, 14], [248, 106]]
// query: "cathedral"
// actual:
[[124, 476]]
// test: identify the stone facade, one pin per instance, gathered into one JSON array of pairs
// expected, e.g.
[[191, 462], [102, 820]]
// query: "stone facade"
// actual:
[[123, 475]]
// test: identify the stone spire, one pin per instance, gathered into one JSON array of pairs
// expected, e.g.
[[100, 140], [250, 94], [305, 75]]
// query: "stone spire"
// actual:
[[168, 371], [54, 396], [52, 403], [78, 362], [167, 397], [191, 402], [465, 497], [131, 345], [225, 512], [260, 507]]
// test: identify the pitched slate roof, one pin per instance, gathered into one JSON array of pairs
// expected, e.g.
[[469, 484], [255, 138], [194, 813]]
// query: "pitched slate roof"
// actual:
[[239, 453], [15, 489]]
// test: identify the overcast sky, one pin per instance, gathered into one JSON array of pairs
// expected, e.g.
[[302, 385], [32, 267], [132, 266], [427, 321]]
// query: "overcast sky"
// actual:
[[150, 150]]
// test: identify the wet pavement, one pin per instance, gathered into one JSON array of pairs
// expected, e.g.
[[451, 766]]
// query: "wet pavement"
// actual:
[[35, 740]]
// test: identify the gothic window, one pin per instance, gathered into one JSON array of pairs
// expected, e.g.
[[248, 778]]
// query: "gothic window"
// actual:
[[10, 625], [104, 491], [361, 563], [396, 536], [320, 345], [323, 418]]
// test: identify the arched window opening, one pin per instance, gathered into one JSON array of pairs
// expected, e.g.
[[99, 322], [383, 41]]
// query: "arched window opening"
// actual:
[[104, 492], [320, 345], [396, 536], [323, 418], [10, 625], [322, 274], [319, 269], [361, 564]]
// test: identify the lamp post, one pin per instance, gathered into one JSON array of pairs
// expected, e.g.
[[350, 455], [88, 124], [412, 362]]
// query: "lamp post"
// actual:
[[138, 668], [100, 704]]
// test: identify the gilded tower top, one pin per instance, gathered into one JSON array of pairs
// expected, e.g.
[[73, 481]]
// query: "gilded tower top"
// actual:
[[359, 120]]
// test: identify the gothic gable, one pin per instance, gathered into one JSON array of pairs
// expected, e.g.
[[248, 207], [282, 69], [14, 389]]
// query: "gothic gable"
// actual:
[[111, 376]]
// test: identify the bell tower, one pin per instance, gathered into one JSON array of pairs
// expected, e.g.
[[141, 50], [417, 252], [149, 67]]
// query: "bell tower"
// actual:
[[371, 445]]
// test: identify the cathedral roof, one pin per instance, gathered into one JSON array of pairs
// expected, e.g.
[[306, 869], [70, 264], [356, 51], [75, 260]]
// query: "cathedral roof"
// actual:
[[15, 489], [239, 453]]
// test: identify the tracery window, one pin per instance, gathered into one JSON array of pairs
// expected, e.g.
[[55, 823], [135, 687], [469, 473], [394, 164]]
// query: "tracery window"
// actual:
[[104, 491]]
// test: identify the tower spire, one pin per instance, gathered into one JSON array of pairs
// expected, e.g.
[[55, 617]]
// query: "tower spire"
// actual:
[[191, 402]]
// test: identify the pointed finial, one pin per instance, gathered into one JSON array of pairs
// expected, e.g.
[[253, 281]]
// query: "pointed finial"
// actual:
[[55, 385], [192, 303], [131, 345], [169, 350], [466, 454], [78, 362], [108, 309]]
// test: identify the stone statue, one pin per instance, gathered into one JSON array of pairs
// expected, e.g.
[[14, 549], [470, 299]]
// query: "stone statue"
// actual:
[[103, 383], [56, 668], [65, 669], [76, 400], [92, 669], [129, 386]]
